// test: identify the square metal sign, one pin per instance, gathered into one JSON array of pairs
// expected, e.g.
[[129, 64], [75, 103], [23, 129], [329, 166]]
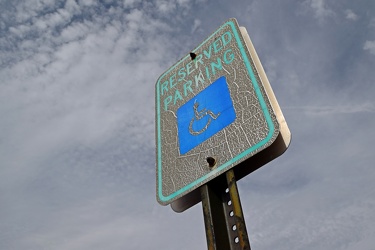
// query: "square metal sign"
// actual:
[[212, 113]]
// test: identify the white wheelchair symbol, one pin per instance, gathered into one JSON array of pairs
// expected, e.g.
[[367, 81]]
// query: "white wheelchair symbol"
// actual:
[[198, 115]]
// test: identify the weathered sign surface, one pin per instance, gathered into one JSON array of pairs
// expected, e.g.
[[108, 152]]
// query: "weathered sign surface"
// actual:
[[212, 113]]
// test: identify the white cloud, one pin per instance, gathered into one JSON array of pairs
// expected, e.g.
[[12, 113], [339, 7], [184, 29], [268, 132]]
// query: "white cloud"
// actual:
[[86, 3], [129, 3], [320, 9], [72, 7], [196, 25], [165, 6], [370, 46], [351, 15]]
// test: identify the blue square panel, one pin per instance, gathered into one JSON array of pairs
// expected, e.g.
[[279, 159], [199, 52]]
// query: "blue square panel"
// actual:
[[203, 116]]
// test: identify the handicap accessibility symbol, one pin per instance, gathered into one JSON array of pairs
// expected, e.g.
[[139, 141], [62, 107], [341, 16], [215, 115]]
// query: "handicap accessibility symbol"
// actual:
[[200, 115], [203, 116]]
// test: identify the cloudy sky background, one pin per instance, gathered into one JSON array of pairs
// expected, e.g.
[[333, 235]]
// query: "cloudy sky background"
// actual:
[[77, 147]]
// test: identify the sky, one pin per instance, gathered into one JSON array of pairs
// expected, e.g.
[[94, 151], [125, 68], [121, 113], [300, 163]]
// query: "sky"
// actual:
[[77, 122]]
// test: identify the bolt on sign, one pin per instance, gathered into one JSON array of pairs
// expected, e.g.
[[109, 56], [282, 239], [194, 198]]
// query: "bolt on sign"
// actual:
[[215, 111]]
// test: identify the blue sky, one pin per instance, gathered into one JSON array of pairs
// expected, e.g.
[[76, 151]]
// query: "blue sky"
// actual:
[[77, 143]]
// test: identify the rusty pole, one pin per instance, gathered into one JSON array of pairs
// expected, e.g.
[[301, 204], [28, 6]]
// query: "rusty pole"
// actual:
[[223, 217]]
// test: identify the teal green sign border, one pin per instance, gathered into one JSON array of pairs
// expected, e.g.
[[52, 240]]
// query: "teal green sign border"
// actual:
[[239, 156]]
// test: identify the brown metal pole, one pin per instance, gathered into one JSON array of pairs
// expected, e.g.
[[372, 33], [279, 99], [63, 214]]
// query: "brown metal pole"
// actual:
[[223, 217], [217, 238], [208, 220], [243, 239]]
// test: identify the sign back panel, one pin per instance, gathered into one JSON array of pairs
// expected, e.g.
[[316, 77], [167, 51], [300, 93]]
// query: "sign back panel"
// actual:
[[211, 106]]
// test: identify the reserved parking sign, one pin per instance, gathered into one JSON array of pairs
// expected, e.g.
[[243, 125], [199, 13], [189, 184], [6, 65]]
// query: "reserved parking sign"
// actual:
[[212, 105]]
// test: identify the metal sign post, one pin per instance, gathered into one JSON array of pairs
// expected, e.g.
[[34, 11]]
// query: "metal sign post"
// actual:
[[223, 218]]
